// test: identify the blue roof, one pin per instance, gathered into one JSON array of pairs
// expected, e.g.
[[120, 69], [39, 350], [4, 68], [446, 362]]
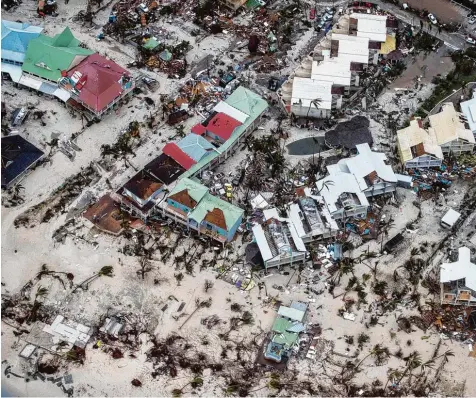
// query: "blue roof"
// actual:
[[15, 39], [195, 146], [17, 156]]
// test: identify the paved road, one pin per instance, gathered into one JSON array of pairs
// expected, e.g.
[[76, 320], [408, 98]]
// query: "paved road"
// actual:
[[455, 41]]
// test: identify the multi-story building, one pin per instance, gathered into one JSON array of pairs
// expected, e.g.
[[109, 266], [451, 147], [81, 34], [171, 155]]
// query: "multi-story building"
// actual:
[[352, 180], [191, 204], [279, 241], [417, 147], [47, 57], [458, 280], [97, 84], [468, 109], [451, 130]]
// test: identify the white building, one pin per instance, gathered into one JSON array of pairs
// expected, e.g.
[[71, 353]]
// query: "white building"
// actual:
[[417, 147], [352, 180], [458, 280], [350, 48], [370, 26], [305, 91], [450, 218], [452, 135], [468, 109], [279, 241]]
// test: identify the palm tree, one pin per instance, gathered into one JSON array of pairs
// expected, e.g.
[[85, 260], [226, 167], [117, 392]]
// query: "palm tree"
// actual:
[[326, 184], [316, 102], [378, 351], [107, 270], [40, 292]]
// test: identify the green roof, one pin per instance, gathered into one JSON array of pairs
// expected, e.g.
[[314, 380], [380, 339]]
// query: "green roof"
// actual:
[[209, 202], [151, 44], [245, 101], [196, 190], [286, 338], [280, 325], [48, 56]]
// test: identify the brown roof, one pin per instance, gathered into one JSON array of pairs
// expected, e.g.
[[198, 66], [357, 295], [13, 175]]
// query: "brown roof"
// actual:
[[418, 149], [216, 217], [105, 215], [184, 198], [372, 176], [143, 185]]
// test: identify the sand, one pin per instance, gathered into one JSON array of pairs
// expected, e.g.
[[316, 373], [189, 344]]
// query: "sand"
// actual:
[[24, 250]]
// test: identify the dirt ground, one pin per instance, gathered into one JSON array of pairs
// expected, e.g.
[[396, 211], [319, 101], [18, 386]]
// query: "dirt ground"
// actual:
[[423, 68], [443, 10]]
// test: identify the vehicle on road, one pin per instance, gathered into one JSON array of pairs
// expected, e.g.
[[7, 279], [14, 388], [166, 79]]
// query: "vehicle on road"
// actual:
[[432, 19], [472, 19], [470, 40]]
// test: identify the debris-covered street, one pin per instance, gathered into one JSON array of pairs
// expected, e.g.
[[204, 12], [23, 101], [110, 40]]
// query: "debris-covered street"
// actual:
[[238, 198]]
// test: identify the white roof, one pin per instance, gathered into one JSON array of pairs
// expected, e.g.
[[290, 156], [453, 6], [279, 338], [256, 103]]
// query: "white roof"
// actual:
[[334, 70], [463, 268], [259, 202], [352, 48], [451, 217], [342, 182], [365, 163], [448, 125], [291, 313], [236, 114], [306, 90], [294, 211], [262, 242], [468, 108], [14, 71], [371, 26]]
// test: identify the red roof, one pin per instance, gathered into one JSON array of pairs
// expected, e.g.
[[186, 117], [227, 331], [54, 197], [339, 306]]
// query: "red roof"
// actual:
[[100, 81], [172, 150], [199, 129], [222, 125]]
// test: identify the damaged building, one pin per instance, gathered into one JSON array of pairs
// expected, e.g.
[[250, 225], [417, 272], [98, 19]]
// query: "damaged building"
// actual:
[[352, 180], [452, 132], [417, 147], [318, 86], [18, 157], [278, 240], [97, 84], [458, 280], [468, 109], [140, 194], [191, 204]]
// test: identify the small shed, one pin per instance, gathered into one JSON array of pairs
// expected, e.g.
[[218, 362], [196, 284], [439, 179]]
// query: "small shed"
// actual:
[[450, 218]]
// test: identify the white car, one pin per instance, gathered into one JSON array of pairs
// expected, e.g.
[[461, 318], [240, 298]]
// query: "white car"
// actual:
[[432, 19], [472, 19], [471, 41]]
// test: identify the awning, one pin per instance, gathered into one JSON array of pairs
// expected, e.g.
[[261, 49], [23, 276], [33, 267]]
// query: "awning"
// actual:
[[14, 71], [27, 81]]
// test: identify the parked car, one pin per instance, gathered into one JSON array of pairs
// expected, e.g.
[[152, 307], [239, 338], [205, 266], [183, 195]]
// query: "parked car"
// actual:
[[320, 24], [471, 41], [327, 17], [472, 19], [312, 14], [432, 19]]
